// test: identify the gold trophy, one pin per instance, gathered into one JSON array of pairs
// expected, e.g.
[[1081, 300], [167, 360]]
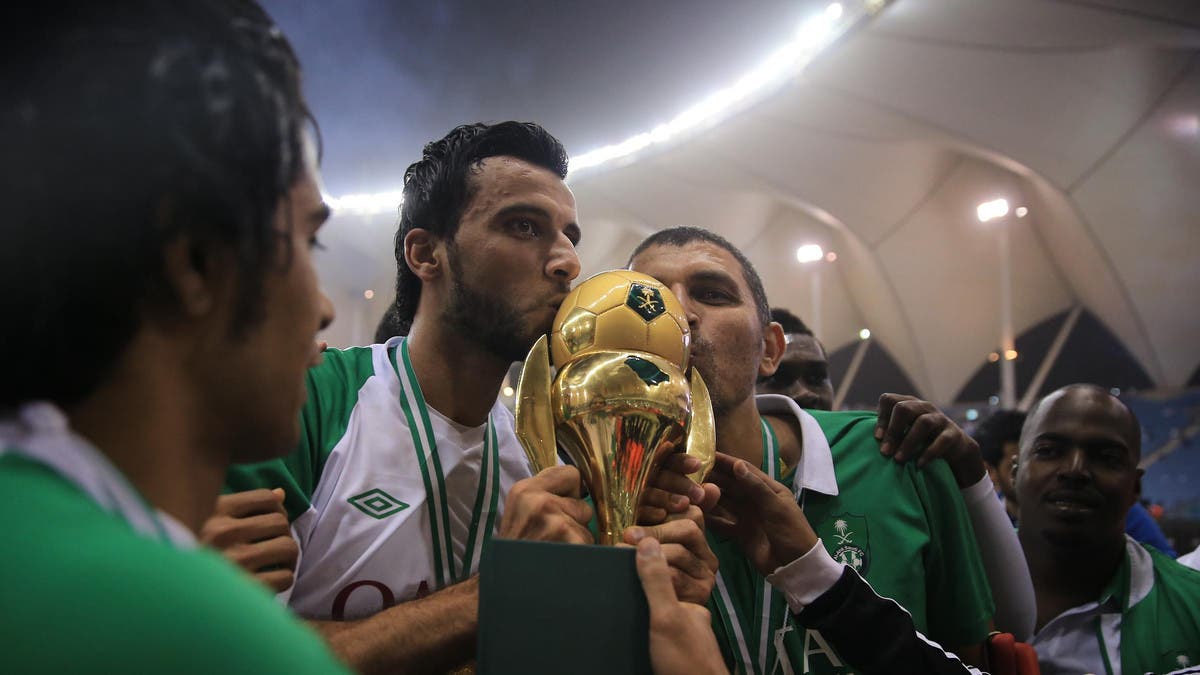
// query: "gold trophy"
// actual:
[[621, 399]]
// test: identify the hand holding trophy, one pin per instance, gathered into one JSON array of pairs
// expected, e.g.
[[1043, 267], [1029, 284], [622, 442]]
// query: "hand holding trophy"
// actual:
[[621, 399]]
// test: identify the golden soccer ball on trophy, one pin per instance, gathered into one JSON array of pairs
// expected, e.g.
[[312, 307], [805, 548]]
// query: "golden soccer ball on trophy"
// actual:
[[624, 311], [621, 397]]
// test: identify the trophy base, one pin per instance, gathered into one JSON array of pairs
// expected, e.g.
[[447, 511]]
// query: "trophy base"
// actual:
[[559, 608]]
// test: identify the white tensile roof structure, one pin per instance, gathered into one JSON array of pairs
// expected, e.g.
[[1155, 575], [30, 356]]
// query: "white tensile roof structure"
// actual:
[[1085, 113]]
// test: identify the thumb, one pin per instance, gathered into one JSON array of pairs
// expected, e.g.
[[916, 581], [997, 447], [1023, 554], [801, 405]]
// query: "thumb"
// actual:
[[655, 575]]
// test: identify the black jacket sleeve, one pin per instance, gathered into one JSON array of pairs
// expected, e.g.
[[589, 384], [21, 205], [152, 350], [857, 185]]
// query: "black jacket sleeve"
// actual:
[[874, 634]]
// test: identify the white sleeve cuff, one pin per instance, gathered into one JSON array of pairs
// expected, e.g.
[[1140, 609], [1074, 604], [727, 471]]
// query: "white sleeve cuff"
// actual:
[[979, 491], [806, 578]]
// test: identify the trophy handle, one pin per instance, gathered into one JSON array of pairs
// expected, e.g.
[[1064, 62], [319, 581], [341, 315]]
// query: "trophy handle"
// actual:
[[534, 419], [702, 428]]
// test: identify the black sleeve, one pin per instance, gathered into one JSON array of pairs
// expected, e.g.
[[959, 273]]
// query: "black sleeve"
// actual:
[[874, 634]]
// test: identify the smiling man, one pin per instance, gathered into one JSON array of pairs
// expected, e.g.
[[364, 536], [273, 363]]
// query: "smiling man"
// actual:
[[1106, 604]]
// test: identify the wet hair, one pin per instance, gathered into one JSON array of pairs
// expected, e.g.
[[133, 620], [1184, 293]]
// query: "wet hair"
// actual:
[[791, 323], [126, 126], [1002, 426], [438, 188], [685, 234]]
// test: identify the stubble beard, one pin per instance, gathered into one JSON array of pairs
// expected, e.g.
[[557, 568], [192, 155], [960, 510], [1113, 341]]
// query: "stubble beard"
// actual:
[[488, 321]]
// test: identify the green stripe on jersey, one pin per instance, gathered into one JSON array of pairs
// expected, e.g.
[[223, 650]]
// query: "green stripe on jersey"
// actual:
[[333, 391]]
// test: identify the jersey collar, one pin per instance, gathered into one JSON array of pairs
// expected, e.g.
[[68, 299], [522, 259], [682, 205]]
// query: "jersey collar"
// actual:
[[40, 431], [815, 470]]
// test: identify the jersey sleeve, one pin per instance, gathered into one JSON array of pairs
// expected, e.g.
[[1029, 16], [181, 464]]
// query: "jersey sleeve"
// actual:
[[960, 607], [875, 634], [333, 390]]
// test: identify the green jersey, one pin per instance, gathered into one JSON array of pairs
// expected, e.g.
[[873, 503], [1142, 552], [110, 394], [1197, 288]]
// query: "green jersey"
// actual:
[[96, 580], [1147, 620], [905, 531]]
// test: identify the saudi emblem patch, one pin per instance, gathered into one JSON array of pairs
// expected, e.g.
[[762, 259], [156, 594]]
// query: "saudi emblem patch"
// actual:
[[849, 541], [647, 301], [1175, 659]]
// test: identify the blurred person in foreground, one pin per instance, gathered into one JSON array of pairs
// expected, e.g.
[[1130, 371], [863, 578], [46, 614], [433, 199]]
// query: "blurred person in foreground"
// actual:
[[1106, 604], [161, 180], [909, 546]]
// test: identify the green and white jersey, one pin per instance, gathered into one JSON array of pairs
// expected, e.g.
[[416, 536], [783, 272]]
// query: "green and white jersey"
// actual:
[[1147, 620], [95, 580], [905, 531], [389, 500]]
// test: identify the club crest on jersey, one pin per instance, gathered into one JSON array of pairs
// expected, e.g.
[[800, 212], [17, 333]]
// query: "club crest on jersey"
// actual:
[[647, 301], [1176, 659], [377, 504], [848, 539]]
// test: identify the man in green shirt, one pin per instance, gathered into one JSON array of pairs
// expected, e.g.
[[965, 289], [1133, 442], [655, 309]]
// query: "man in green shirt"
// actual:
[[162, 193], [1106, 604], [905, 531]]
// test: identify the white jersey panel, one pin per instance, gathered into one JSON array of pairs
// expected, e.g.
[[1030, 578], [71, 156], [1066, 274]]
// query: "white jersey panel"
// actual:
[[366, 540]]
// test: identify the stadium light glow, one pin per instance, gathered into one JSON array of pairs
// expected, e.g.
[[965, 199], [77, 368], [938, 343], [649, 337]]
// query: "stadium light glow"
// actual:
[[508, 391], [776, 69], [368, 294], [809, 253], [1010, 355], [366, 204], [997, 208], [864, 334], [831, 257], [1021, 212]]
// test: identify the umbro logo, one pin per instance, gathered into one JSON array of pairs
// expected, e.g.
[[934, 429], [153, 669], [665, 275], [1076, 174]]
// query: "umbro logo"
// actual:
[[377, 504]]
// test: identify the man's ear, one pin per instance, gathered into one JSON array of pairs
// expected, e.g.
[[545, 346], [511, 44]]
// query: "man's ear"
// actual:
[[424, 253], [195, 275], [774, 345]]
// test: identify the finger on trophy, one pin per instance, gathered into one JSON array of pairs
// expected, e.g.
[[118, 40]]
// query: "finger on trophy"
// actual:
[[534, 419], [658, 504], [702, 428]]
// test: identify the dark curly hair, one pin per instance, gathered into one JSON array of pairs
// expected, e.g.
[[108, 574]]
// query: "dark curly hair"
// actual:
[[438, 188], [125, 126]]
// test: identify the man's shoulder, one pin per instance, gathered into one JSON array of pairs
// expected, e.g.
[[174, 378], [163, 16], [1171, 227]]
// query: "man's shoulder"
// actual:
[[1173, 577], [80, 576], [844, 424], [349, 365]]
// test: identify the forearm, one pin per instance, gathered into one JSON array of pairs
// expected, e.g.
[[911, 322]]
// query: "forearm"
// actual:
[[431, 635], [871, 633], [1003, 561]]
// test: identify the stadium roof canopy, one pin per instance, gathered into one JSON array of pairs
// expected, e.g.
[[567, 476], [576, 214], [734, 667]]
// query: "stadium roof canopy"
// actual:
[[1084, 113]]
